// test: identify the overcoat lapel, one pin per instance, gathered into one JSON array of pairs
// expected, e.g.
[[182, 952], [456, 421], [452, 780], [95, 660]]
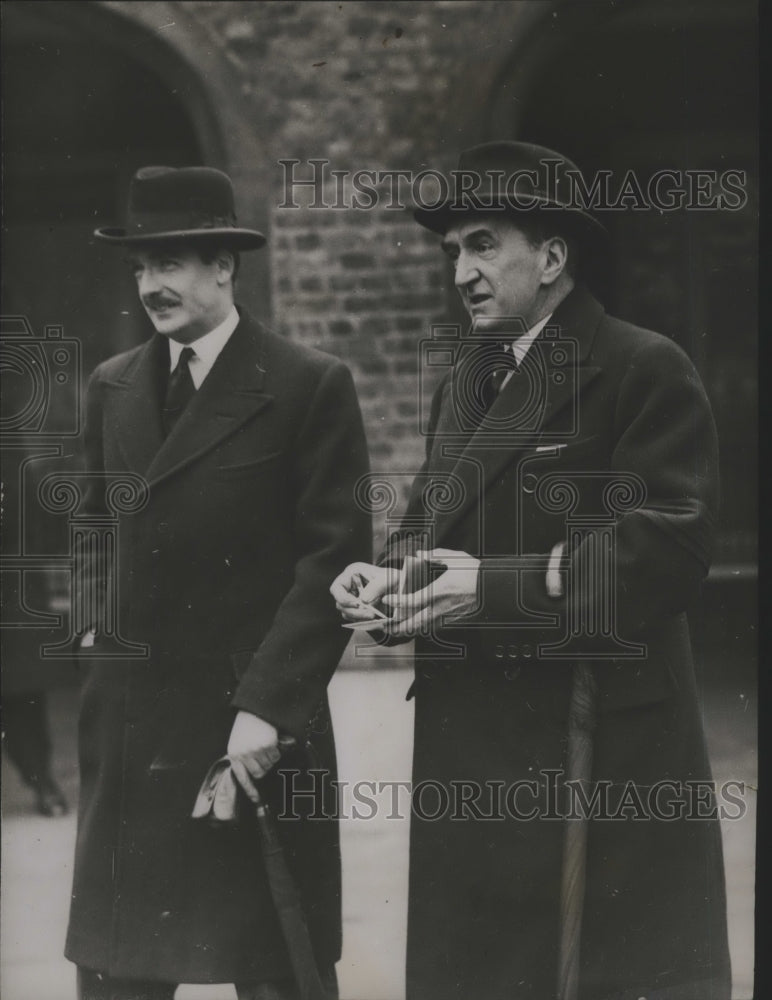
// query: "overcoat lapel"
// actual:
[[133, 405], [231, 393], [522, 414]]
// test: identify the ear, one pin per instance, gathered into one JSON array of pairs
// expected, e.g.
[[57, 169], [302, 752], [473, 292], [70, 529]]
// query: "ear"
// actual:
[[226, 264], [556, 251]]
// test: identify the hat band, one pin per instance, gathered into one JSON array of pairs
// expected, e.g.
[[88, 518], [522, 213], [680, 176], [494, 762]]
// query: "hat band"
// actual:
[[154, 223]]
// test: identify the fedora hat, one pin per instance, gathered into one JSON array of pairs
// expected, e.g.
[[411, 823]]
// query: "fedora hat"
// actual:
[[516, 177], [181, 203]]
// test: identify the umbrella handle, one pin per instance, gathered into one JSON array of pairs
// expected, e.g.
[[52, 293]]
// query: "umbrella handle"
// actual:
[[286, 895]]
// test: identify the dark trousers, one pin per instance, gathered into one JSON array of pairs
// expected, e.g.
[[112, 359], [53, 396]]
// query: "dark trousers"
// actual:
[[27, 742], [99, 986]]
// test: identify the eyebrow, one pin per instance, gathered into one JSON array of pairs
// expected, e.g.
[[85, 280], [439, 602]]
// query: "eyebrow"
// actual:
[[448, 245]]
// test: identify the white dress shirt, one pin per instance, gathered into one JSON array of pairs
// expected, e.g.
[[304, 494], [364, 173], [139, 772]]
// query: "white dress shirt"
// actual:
[[207, 348]]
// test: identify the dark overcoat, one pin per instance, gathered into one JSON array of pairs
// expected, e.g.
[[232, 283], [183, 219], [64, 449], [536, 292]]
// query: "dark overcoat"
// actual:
[[492, 702], [224, 574]]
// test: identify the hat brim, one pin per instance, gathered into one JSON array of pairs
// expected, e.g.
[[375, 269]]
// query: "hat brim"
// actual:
[[239, 239], [439, 219]]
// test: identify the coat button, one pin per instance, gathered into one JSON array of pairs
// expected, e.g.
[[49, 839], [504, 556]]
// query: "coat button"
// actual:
[[527, 651], [512, 652], [530, 482], [499, 652]]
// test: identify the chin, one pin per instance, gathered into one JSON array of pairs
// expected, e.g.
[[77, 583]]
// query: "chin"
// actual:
[[169, 327]]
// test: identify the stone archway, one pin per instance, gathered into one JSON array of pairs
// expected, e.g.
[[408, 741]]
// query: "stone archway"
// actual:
[[193, 62], [91, 92], [644, 87]]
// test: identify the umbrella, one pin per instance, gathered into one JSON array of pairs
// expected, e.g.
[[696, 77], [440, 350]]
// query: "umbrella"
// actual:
[[581, 725], [218, 800]]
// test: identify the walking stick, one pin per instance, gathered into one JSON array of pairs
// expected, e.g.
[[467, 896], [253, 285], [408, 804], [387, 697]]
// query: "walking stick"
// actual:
[[217, 799], [581, 726]]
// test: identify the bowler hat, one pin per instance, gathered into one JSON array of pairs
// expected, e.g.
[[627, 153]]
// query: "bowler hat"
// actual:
[[517, 177], [176, 203]]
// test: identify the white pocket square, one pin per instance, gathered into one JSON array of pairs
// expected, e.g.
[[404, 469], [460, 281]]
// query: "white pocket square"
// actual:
[[549, 447]]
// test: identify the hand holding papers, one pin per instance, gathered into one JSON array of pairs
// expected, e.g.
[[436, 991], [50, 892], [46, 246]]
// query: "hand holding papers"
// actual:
[[356, 590], [362, 590]]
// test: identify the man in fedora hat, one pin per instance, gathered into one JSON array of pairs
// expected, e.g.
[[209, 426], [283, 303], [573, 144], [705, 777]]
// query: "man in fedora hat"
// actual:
[[575, 460], [249, 447]]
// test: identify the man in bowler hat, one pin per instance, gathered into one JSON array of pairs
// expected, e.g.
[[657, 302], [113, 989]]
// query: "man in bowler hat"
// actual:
[[249, 447], [575, 455]]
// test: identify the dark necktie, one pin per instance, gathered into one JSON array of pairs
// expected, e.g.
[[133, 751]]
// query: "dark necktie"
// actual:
[[499, 364], [179, 390]]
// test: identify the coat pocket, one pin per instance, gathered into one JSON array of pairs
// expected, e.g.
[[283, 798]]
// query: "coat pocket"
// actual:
[[569, 455], [244, 470]]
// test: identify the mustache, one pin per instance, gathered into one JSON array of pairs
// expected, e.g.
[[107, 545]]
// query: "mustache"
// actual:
[[158, 301]]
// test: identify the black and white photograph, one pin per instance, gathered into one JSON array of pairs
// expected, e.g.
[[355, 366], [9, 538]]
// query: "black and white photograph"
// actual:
[[379, 505]]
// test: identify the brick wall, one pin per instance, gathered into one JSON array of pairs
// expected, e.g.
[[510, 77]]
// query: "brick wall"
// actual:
[[365, 287], [365, 86], [404, 85]]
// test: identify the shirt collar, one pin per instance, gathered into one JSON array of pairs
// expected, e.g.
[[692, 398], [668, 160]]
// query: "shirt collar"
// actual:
[[207, 348], [521, 345]]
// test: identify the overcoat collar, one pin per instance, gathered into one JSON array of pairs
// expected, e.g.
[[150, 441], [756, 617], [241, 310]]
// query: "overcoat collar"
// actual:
[[231, 393], [524, 412]]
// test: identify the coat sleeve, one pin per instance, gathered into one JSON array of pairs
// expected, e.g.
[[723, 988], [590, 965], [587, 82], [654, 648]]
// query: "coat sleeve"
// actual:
[[407, 540], [289, 672], [410, 535], [663, 433]]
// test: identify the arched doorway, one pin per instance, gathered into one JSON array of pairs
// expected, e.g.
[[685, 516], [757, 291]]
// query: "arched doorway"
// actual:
[[80, 115], [646, 87]]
